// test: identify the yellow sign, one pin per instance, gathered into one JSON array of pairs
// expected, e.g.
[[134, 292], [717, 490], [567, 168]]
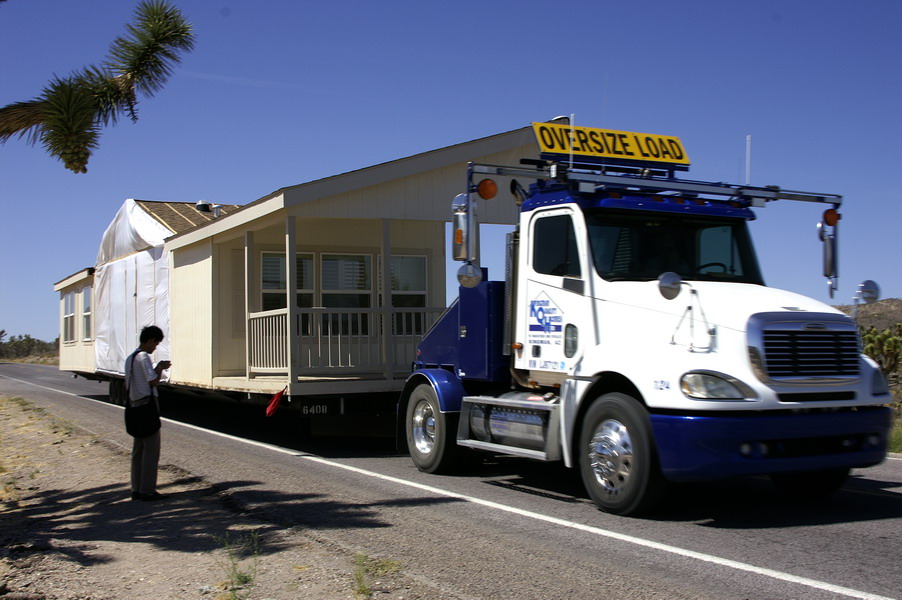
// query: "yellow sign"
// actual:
[[607, 143]]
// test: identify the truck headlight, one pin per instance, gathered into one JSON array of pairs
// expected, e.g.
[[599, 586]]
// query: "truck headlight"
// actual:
[[879, 385], [707, 385]]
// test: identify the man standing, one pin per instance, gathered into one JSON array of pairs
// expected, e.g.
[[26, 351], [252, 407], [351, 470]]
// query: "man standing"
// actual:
[[142, 413]]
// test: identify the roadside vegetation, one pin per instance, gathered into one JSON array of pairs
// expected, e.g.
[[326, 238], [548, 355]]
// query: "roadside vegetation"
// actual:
[[24, 348], [239, 562], [881, 338], [885, 347], [366, 568]]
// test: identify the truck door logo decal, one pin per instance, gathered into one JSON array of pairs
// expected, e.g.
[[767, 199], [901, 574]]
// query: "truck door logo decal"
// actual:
[[546, 321]]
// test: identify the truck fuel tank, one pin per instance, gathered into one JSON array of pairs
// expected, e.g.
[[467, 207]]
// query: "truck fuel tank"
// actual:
[[517, 423]]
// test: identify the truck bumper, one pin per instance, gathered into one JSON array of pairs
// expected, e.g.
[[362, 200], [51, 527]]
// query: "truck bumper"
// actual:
[[698, 447]]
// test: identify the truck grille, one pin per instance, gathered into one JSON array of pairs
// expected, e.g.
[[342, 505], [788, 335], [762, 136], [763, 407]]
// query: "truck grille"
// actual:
[[811, 353], [804, 347]]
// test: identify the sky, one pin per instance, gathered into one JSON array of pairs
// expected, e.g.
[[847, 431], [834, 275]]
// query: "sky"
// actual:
[[278, 93]]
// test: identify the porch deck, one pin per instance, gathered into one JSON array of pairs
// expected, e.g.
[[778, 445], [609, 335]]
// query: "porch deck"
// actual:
[[314, 385], [331, 351]]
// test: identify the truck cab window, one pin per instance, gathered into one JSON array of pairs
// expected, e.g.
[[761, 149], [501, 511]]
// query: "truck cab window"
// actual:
[[641, 247], [555, 251]]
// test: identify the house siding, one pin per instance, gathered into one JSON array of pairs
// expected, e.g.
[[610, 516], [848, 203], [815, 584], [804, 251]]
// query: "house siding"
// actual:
[[192, 311]]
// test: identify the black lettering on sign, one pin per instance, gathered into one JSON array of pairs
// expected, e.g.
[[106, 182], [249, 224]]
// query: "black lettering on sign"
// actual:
[[624, 140], [562, 137], [642, 150], [652, 147], [597, 142], [675, 149], [582, 140], [613, 146], [546, 137], [664, 151]]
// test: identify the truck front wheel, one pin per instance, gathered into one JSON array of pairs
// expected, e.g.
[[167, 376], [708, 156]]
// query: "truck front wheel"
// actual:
[[617, 458], [431, 434]]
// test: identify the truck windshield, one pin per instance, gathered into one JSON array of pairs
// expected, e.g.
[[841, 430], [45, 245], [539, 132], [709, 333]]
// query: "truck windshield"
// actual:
[[641, 246]]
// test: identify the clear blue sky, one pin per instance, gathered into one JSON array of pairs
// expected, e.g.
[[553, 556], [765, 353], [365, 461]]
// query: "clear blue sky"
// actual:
[[277, 93]]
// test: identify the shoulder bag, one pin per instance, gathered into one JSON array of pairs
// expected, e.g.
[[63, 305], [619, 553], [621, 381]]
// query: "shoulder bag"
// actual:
[[144, 420]]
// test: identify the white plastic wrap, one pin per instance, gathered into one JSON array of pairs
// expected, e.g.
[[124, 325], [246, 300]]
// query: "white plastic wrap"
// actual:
[[132, 230], [131, 287]]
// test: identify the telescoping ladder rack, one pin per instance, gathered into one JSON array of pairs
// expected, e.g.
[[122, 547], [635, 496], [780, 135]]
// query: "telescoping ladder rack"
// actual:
[[647, 180]]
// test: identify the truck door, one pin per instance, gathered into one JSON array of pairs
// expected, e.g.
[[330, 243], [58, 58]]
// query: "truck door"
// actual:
[[552, 300]]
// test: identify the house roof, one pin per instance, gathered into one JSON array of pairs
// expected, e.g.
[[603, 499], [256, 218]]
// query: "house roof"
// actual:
[[143, 224], [347, 182], [179, 217]]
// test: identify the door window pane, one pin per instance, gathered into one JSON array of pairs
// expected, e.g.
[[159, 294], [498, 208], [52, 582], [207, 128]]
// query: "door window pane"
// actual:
[[555, 251]]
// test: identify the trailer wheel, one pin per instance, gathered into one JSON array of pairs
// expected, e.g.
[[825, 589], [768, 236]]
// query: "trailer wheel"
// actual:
[[431, 434], [811, 484], [618, 462], [117, 391]]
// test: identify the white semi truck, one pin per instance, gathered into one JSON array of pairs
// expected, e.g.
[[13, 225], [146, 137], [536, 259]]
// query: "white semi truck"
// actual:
[[634, 337]]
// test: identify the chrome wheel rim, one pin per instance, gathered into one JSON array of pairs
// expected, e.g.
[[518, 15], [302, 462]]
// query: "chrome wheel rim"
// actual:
[[611, 456], [423, 427]]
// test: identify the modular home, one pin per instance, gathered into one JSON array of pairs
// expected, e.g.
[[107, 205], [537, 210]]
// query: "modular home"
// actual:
[[320, 288]]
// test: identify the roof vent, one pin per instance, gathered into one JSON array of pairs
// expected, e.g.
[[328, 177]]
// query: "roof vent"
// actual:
[[203, 206]]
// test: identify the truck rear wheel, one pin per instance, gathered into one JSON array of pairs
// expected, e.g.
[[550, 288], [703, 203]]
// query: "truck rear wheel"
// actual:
[[617, 458], [431, 434]]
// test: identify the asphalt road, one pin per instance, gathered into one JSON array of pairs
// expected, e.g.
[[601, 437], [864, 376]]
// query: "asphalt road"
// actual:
[[512, 528]]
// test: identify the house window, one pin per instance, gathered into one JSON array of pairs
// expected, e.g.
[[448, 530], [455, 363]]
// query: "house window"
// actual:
[[69, 317], [408, 290], [347, 283], [86, 313], [273, 280]]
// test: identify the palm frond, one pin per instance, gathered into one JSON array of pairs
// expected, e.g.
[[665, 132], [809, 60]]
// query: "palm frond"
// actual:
[[70, 131], [146, 57], [67, 116], [22, 118]]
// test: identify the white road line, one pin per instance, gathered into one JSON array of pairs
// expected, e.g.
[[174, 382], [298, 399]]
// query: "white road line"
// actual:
[[724, 562], [812, 583]]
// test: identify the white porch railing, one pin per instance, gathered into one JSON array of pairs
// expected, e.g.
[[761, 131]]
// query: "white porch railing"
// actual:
[[268, 342], [337, 341]]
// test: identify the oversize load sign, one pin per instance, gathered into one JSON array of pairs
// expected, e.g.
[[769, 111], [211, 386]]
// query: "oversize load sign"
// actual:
[[608, 143]]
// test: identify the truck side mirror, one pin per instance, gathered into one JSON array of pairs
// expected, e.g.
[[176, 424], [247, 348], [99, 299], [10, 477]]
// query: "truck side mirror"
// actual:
[[868, 291], [829, 250], [469, 275], [669, 284], [829, 240]]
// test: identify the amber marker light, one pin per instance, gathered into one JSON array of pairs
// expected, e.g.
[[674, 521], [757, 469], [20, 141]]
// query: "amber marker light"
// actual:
[[487, 188], [831, 217]]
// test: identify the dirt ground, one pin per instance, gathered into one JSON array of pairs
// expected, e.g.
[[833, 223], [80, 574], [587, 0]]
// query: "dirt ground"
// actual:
[[69, 530]]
